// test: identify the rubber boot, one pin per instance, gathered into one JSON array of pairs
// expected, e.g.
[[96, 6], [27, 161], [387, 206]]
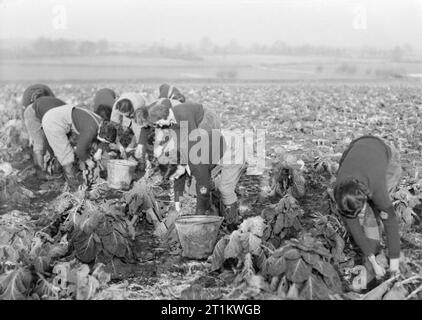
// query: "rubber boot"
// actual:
[[70, 176], [231, 215], [39, 165]]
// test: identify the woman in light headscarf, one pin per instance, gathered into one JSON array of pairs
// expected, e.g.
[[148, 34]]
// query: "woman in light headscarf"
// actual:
[[167, 94], [123, 114], [167, 91]]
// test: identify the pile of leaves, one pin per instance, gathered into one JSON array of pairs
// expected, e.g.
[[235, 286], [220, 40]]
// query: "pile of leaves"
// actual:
[[405, 200], [72, 228], [233, 248], [140, 198], [13, 141], [302, 269], [30, 266], [332, 233], [285, 177], [100, 236], [98, 232], [12, 191], [283, 220]]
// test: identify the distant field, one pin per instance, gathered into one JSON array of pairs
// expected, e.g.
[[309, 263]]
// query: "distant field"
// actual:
[[231, 67]]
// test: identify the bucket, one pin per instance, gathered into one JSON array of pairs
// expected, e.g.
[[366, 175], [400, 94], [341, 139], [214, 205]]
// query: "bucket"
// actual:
[[197, 235], [120, 173]]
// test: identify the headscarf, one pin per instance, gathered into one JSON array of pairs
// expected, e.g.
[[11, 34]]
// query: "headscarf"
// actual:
[[172, 93], [29, 95], [42, 105], [138, 102], [159, 110], [104, 97]]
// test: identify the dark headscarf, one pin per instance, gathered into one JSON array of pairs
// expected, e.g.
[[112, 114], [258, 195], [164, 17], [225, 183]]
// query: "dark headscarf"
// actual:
[[44, 104], [104, 97], [35, 91]]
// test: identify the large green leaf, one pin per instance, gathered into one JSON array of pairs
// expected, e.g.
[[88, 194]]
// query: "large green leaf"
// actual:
[[314, 289], [292, 254], [298, 271], [7, 253], [279, 224], [42, 264], [46, 290], [86, 246], [217, 257], [275, 266], [15, 285], [234, 248], [324, 268], [115, 244], [309, 257], [334, 283], [330, 275], [254, 244]]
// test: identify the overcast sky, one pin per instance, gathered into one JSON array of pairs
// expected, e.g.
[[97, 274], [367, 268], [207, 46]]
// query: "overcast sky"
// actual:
[[381, 23]]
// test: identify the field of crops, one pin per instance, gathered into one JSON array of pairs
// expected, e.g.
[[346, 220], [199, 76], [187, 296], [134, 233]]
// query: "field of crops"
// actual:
[[53, 247]]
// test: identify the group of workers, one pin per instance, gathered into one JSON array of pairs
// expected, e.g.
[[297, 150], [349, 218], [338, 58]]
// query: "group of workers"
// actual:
[[368, 173]]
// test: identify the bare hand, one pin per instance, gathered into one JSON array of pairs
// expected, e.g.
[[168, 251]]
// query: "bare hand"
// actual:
[[139, 151], [98, 154], [90, 163]]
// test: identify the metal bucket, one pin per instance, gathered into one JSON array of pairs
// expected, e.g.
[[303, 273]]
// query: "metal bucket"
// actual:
[[198, 235], [120, 173]]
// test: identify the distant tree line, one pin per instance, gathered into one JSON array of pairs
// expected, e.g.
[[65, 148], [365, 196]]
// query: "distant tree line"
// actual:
[[66, 47]]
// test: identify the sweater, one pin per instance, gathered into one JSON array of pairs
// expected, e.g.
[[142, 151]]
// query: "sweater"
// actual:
[[87, 124], [367, 160], [193, 114]]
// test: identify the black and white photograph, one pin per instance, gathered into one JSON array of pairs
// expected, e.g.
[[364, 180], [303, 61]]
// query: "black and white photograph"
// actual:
[[202, 157]]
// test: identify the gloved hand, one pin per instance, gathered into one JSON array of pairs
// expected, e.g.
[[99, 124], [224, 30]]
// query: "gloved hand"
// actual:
[[178, 206]]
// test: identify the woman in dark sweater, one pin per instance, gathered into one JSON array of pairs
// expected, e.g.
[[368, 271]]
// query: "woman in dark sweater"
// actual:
[[185, 119], [369, 171]]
